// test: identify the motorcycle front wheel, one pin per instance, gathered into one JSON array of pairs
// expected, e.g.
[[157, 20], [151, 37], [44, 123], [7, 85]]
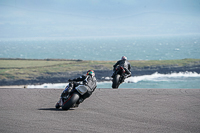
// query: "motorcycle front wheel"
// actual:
[[72, 99], [116, 83]]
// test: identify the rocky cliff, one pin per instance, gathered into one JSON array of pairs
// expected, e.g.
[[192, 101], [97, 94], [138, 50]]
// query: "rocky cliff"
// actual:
[[101, 74]]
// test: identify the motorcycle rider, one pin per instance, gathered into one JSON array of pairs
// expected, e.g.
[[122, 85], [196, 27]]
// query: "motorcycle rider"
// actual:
[[89, 80], [125, 64]]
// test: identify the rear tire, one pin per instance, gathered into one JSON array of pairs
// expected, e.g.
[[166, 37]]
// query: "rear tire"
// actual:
[[116, 83], [70, 101]]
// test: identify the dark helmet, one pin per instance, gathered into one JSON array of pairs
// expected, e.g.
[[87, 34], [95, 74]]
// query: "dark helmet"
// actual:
[[90, 72]]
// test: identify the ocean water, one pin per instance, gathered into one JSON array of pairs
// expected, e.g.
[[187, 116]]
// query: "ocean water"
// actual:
[[112, 48], [135, 48]]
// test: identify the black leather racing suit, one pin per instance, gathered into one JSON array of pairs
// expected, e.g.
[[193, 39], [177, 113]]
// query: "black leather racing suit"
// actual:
[[126, 65], [88, 80]]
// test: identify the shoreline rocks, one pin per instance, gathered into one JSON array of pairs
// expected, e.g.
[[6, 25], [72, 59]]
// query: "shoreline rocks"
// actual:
[[100, 74]]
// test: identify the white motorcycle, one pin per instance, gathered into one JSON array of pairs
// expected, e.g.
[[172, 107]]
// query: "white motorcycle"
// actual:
[[73, 98]]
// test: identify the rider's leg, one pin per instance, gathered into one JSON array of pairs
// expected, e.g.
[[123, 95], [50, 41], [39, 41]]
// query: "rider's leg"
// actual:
[[59, 103], [86, 95], [128, 73], [113, 73]]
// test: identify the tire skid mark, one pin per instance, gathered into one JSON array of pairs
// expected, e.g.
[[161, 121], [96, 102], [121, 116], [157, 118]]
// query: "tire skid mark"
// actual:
[[104, 98], [182, 91], [44, 93], [196, 95], [100, 98], [130, 101]]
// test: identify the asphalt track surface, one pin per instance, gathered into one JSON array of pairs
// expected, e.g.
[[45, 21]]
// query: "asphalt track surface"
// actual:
[[106, 111]]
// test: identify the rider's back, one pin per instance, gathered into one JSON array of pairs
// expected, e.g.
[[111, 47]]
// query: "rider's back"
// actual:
[[124, 64], [91, 82]]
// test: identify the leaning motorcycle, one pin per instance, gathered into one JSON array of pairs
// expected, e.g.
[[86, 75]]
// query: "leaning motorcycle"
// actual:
[[73, 98], [118, 77]]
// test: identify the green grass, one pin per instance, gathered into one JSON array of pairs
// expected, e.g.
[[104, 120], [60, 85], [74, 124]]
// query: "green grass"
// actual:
[[152, 63], [30, 69]]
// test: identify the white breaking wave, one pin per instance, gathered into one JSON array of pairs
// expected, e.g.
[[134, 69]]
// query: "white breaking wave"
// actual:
[[154, 77], [163, 77]]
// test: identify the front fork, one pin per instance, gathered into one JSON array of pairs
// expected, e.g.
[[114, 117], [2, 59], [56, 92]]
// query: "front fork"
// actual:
[[65, 93]]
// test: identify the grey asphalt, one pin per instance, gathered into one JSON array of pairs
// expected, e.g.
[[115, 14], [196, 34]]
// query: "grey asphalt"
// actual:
[[106, 111]]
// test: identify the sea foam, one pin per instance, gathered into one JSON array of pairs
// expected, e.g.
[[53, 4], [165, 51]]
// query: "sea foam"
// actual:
[[163, 77], [156, 77]]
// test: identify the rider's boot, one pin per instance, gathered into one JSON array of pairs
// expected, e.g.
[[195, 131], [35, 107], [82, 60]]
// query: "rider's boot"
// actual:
[[113, 75], [122, 79], [59, 104], [127, 76], [77, 104]]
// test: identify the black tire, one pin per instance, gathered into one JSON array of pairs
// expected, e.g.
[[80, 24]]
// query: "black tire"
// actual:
[[116, 83], [70, 101]]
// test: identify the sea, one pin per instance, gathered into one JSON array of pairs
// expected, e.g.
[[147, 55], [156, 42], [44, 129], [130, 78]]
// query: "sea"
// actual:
[[167, 47]]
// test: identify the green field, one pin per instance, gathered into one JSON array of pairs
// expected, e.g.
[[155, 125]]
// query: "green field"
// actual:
[[29, 69]]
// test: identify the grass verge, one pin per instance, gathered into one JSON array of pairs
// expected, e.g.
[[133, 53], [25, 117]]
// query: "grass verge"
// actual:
[[31, 68]]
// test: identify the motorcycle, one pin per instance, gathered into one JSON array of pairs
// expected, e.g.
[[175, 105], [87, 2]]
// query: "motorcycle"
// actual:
[[73, 98], [118, 77]]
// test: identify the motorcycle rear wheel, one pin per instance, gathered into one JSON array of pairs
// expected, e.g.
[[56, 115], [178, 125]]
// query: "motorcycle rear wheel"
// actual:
[[116, 82], [70, 101]]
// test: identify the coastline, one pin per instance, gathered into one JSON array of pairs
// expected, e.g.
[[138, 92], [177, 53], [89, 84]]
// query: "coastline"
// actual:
[[100, 75]]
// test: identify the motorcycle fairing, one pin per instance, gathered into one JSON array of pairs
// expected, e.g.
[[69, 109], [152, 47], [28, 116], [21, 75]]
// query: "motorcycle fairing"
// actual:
[[82, 89]]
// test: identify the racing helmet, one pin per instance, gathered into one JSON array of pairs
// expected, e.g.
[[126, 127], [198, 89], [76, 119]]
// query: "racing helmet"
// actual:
[[124, 58], [90, 72]]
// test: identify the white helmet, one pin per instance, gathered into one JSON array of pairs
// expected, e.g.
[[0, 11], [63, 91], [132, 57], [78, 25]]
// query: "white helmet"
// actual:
[[124, 58]]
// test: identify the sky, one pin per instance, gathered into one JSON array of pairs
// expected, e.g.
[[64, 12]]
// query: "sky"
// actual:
[[97, 18]]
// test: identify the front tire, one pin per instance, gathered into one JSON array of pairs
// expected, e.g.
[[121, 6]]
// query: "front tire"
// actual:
[[70, 101], [116, 83]]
